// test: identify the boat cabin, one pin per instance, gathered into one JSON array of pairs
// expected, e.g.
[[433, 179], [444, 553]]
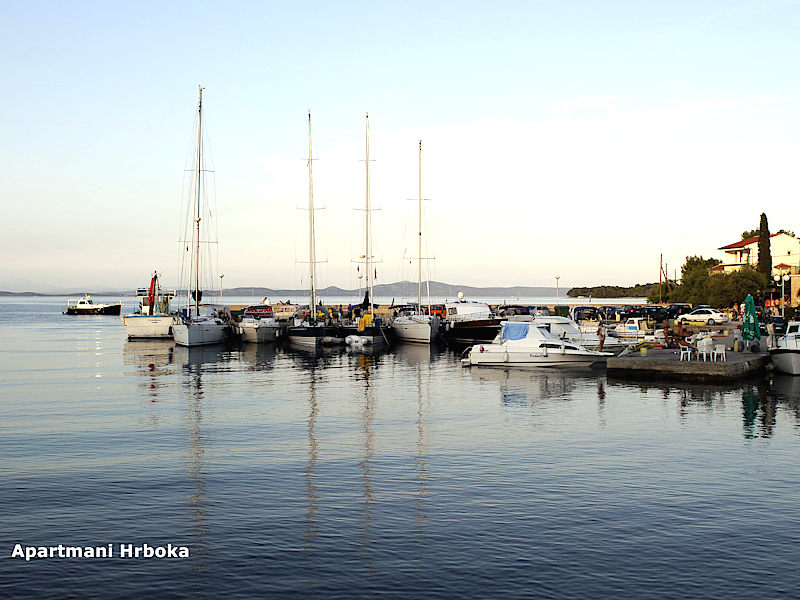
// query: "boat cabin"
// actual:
[[526, 332], [259, 311], [466, 310]]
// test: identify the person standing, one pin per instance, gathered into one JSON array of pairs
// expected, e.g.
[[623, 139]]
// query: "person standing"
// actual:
[[601, 334]]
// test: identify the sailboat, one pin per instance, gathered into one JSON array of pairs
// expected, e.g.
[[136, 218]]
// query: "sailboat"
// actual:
[[199, 324], [417, 327], [154, 319], [311, 331], [366, 329]]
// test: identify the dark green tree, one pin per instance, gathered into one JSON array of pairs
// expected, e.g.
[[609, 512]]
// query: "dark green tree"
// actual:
[[764, 255], [727, 289], [749, 233], [694, 280]]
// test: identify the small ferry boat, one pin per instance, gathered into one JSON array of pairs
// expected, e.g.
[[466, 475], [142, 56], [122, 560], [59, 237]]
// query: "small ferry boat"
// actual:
[[259, 324], [87, 306], [155, 318], [786, 353], [524, 344]]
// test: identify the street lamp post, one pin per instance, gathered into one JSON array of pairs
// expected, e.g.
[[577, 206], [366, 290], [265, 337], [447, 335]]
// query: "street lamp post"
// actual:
[[557, 299], [782, 281]]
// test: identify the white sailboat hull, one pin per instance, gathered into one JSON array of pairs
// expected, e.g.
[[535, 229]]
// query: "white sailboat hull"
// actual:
[[148, 326], [420, 330], [200, 333]]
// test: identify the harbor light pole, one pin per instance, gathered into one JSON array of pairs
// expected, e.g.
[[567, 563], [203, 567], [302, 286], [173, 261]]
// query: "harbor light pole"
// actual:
[[782, 281], [557, 278]]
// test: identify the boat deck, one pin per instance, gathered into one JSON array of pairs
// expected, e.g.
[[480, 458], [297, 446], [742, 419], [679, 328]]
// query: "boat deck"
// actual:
[[666, 364]]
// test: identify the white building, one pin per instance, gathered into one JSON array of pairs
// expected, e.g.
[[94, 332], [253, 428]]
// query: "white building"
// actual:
[[783, 247]]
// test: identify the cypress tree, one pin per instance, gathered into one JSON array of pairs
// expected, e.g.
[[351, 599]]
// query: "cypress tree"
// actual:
[[764, 255]]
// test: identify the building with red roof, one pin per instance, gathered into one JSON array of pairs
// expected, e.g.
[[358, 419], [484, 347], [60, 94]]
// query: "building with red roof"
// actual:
[[784, 248]]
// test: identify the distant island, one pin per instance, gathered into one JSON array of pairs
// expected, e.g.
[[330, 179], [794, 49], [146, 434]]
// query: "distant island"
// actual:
[[399, 290], [611, 291]]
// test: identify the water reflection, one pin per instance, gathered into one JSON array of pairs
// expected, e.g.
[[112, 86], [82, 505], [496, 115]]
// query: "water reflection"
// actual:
[[364, 373], [153, 360], [258, 357], [311, 527], [785, 390], [525, 387], [194, 362]]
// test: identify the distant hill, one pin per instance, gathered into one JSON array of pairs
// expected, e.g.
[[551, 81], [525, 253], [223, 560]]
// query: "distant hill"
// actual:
[[400, 289]]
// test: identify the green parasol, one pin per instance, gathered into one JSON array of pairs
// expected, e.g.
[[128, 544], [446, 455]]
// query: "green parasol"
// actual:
[[750, 329]]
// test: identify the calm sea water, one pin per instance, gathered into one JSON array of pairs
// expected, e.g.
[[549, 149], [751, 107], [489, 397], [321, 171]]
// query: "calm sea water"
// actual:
[[397, 475]]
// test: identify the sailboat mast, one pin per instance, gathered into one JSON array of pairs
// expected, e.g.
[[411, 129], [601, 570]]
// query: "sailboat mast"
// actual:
[[198, 168], [312, 249], [368, 233], [419, 238]]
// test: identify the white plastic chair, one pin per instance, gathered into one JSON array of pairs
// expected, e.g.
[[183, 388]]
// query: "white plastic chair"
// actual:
[[719, 352], [686, 353]]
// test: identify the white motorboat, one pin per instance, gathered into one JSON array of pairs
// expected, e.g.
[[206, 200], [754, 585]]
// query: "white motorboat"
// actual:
[[563, 328], [527, 344], [259, 324], [311, 332], [630, 331], [786, 353], [154, 319], [199, 324]]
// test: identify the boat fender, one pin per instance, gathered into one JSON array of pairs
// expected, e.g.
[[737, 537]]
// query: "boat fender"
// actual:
[[482, 348]]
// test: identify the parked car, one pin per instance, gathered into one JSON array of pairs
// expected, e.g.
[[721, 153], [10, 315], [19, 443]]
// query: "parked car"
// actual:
[[678, 308], [540, 311], [630, 311], [585, 313], [610, 311], [511, 310], [710, 316], [655, 312]]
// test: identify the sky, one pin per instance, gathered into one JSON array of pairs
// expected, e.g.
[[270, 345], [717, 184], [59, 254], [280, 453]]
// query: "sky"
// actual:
[[578, 139]]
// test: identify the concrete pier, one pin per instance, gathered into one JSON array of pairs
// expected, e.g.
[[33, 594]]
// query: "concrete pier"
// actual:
[[666, 364]]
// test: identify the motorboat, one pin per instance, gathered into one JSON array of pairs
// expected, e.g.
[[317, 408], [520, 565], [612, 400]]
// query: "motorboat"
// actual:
[[311, 332], [632, 330], [87, 306], [416, 325], [259, 324], [199, 324], [786, 352], [155, 318], [563, 328], [467, 321], [530, 344]]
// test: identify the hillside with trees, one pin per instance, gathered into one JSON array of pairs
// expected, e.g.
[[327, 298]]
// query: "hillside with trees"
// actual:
[[613, 291]]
